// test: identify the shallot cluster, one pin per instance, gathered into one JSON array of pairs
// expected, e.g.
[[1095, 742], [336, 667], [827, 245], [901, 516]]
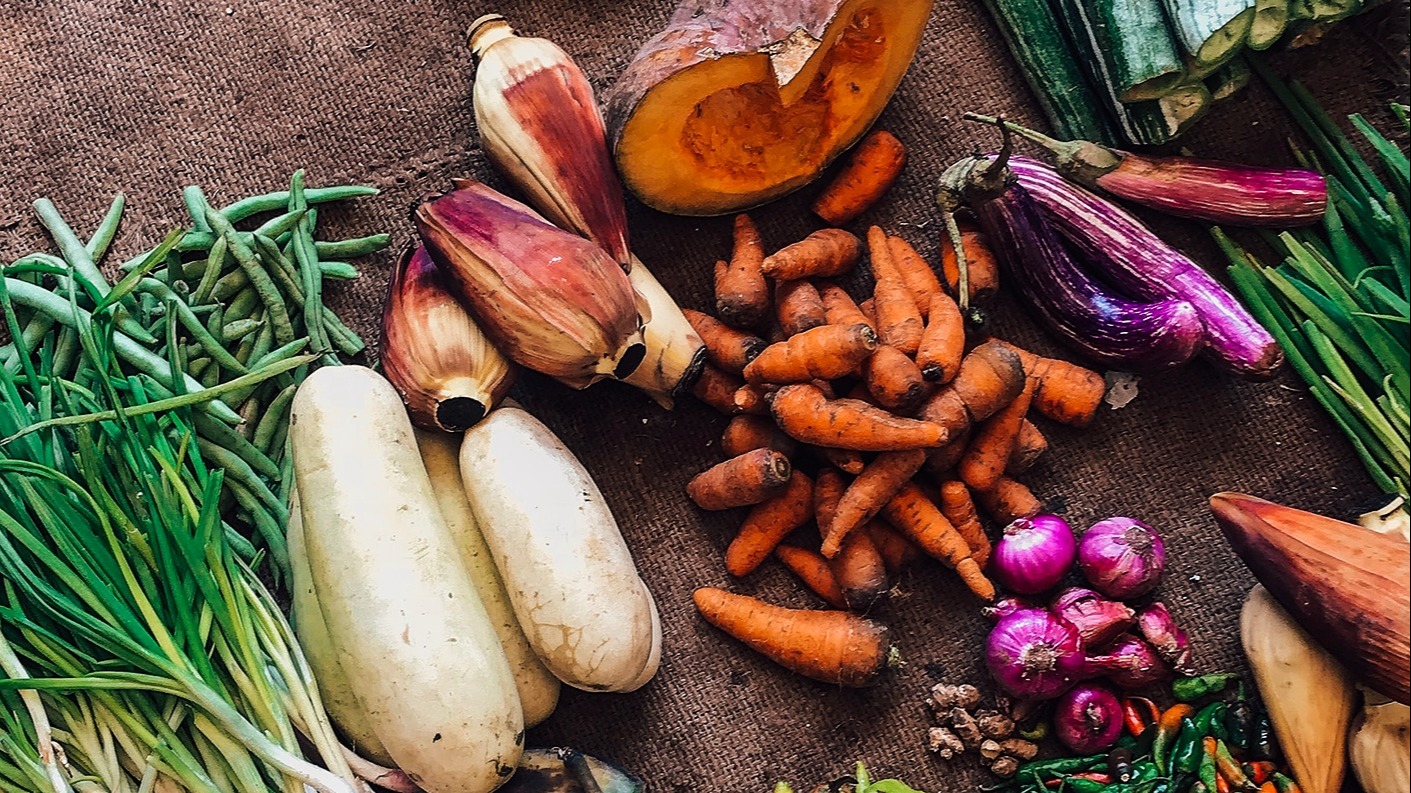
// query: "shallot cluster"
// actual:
[[1086, 640]]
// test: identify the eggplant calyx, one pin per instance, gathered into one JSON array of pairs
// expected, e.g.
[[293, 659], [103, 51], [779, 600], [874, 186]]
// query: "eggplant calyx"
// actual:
[[1082, 161]]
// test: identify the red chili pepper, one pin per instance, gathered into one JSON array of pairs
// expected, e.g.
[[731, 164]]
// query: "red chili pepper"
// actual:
[[1259, 771], [1229, 767], [1221, 785], [1268, 787], [1138, 713], [1091, 776]]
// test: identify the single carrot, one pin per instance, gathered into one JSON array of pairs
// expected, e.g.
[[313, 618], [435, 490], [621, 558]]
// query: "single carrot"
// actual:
[[717, 389], [768, 523], [741, 291], [826, 252], [1028, 447], [830, 646], [804, 413], [799, 307], [872, 167], [894, 380], [860, 571], [981, 270], [752, 399], [828, 489], [729, 349], [943, 341], [1009, 500], [898, 320], [918, 276], [826, 352], [897, 551], [746, 433], [990, 377], [743, 480], [813, 570], [988, 453], [959, 509], [941, 462], [867, 494], [1068, 393], [839, 307], [849, 461], [917, 517]]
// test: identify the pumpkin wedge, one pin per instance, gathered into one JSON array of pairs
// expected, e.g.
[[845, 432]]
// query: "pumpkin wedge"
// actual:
[[1343, 584], [738, 102]]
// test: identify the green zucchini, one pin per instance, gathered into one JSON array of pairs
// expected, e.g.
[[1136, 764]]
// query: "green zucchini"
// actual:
[[1212, 30], [1271, 17], [1048, 61], [1228, 80], [1137, 49]]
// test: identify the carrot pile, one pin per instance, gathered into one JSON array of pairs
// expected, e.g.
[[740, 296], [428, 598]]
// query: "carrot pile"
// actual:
[[877, 421]]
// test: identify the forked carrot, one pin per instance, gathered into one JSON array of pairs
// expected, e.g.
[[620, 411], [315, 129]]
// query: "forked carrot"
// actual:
[[959, 509], [746, 433], [752, 399], [804, 413], [1028, 447], [990, 377], [768, 524], [943, 341], [824, 253], [988, 453], [894, 380], [860, 571], [813, 570], [1068, 393], [981, 269], [867, 494], [897, 551], [717, 389], [826, 352], [914, 515], [747, 479], [726, 347], [799, 307], [839, 308], [1008, 501], [872, 167], [741, 291], [828, 489], [898, 320], [830, 646], [918, 276]]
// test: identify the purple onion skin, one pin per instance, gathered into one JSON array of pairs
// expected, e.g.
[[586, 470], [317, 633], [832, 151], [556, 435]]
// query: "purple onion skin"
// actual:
[[1033, 655], [1088, 719], [1097, 619], [1033, 554], [1236, 195], [1128, 663], [1122, 557], [1140, 264], [1166, 637], [1004, 606], [1084, 313]]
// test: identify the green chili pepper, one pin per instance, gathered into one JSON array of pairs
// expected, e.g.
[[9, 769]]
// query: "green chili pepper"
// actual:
[[1229, 767], [1207, 769], [1217, 721], [1080, 785], [1286, 785], [1062, 766], [1185, 756], [1167, 728], [1190, 689]]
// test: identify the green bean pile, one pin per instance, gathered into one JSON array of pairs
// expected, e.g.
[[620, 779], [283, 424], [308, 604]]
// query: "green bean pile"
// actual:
[[212, 307]]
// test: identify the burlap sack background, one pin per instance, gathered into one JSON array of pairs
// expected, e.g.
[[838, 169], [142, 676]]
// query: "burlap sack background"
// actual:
[[145, 97]]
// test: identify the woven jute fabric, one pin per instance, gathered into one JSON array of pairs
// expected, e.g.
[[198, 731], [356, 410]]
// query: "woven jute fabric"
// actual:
[[233, 95]]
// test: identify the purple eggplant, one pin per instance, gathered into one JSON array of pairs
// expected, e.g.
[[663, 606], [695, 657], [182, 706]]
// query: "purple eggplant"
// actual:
[[1107, 327], [1141, 265]]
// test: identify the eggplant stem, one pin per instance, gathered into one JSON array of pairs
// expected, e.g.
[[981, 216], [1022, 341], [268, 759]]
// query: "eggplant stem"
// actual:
[[1052, 144], [962, 268]]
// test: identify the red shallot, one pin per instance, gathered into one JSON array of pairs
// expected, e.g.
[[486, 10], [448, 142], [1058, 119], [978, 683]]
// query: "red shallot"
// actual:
[[1129, 663], [1097, 619], [1034, 655], [1166, 637], [1033, 554], [1088, 718], [1121, 557]]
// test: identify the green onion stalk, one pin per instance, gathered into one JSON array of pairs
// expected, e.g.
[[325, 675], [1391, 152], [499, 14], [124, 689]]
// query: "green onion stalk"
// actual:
[[1338, 300]]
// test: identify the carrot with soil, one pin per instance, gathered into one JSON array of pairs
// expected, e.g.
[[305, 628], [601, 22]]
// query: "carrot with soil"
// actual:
[[829, 646], [860, 571], [988, 454], [941, 462], [849, 461], [867, 494], [894, 380], [839, 308], [897, 551], [828, 489], [717, 389], [1008, 500], [749, 478], [959, 509], [1028, 447], [799, 307], [826, 352], [943, 341], [824, 253], [768, 524], [898, 320], [915, 273], [741, 291], [729, 349], [1068, 393], [989, 378], [746, 433], [751, 399], [813, 570], [804, 413], [871, 169], [917, 517], [981, 269]]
